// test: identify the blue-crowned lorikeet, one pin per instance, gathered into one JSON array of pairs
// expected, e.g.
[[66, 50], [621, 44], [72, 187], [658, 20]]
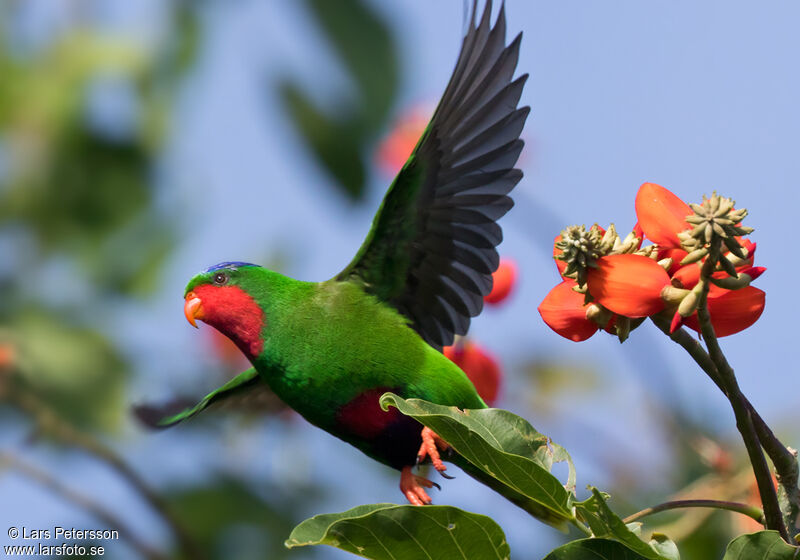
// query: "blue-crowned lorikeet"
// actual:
[[331, 349]]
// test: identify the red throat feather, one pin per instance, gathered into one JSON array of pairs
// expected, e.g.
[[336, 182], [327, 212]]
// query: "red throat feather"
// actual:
[[233, 312]]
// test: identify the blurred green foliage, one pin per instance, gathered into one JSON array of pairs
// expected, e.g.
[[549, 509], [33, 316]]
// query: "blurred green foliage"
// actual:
[[83, 195], [340, 138], [74, 369], [77, 196], [229, 519]]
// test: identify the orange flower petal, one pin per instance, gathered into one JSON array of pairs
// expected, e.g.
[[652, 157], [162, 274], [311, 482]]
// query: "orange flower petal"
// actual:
[[480, 366], [629, 285], [677, 255], [751, 252], [687, 276], [753, 271], [661, 215], [8, 355], [504, 279], [732, 310], [676, 323], [751, 249], [564, 312]]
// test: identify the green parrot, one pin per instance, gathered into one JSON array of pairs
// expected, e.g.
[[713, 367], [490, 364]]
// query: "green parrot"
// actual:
[[330, 349]]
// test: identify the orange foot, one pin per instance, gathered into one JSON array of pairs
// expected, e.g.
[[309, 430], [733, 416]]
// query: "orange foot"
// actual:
[[430, 448], [413, 487]]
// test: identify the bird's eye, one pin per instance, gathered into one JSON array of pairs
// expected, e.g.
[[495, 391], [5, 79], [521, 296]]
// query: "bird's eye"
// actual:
[[220, 279]]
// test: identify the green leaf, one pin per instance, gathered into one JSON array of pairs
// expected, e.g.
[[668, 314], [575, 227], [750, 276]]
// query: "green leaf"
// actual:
[[764, 545], [340, 135], [89, 188], [362, 40], [502, 445], [230, 519], [664, 546], [75, 370], [335, 141], [605, 523], [129, 260], [390, 531], [594, 549]]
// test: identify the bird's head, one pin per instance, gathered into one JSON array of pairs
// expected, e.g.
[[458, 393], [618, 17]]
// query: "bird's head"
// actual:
[[224, 296]]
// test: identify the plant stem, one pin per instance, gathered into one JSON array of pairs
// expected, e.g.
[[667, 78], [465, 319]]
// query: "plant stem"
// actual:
[[82, 501], [582, 527], [779, 454], [745, 509], [49, 421], [744, 422], [783, 458]]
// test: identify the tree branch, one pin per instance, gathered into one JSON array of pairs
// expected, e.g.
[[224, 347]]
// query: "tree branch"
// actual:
[[725, 378], [745, 509], [104, 515], [783, 458], [50, 422]]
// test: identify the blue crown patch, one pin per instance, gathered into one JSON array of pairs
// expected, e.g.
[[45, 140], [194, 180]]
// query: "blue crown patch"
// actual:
[[233, 265]]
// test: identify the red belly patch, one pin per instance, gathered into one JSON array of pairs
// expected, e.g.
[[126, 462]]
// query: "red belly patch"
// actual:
[[364, 417]]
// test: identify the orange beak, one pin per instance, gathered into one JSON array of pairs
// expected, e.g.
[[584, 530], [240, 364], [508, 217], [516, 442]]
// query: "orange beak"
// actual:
[[193, 309]]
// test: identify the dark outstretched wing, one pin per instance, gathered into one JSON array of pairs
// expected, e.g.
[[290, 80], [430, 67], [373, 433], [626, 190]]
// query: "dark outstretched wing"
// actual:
[[431, 250]]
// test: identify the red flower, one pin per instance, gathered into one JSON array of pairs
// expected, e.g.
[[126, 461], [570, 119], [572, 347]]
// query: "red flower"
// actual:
[[635, 286], [662, 215], [480, 366], [394, 150], [731, 311], [564, 312], [504, 279], [628, 285], [8, 355]]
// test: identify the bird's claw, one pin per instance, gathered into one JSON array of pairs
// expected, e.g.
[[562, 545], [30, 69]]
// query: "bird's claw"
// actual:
[[413, 487], [430, 448]]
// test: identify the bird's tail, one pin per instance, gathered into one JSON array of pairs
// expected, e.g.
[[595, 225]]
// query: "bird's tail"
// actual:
[[158, 417]]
